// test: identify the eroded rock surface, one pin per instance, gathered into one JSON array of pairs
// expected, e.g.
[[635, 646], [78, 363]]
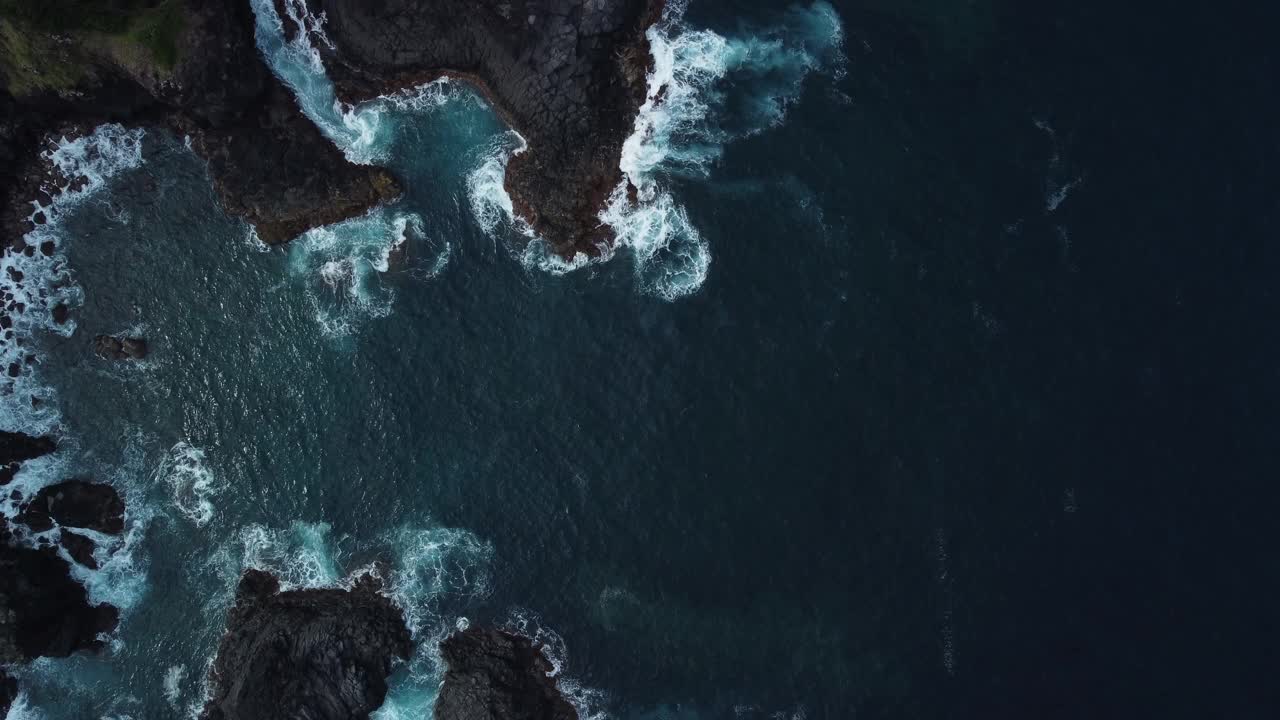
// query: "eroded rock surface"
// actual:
[[320, 654], [568, 75], [495, 675]]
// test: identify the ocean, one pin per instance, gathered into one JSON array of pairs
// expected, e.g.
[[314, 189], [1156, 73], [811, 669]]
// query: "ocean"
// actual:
[[936, 378]]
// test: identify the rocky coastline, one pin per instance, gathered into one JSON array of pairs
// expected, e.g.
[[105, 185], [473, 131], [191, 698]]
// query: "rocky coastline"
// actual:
[[269, 164], [570, 77], [44, 611]]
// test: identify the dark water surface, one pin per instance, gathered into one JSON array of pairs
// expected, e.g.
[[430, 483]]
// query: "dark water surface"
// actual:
[[974, 414]]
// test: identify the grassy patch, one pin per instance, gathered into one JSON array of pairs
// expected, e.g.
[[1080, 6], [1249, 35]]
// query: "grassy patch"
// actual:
[[31, 62], [152, 26]]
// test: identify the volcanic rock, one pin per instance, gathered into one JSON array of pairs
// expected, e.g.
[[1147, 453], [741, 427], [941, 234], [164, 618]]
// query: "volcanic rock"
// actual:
[[76, 503], [495, 675], [320, 654]]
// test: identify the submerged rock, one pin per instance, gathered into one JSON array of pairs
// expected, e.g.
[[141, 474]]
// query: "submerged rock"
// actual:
[[320, 654], [495, 675], [120, 348], [8, 692], [76, 503], [43, 611]]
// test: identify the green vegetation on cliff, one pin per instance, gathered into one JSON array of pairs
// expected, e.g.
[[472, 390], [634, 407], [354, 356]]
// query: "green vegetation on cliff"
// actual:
[[34, 55]]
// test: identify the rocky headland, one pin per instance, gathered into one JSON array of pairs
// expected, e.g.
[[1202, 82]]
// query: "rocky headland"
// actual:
[[569, 76], [322, 654]]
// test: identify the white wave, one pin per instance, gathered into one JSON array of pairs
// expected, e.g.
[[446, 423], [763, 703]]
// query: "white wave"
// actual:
[[342, 265], [191, 484], [34, 284], [22, 709], [122, 575], [364, 132], [173, 678]]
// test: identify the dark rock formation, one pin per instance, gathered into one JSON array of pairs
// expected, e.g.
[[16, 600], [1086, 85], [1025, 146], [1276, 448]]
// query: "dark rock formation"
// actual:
[[79, 547], [568, 75], [494, 675], [17, 447], [43, 611], [114, 348], [76, 503], [269, 163], [315, 654]]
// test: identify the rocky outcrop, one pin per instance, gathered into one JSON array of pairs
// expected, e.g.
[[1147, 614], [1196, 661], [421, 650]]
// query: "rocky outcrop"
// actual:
[[120, 348], [569, 76], [43, 611], [79, 547], [321, 654], [16, 448], [495, 675], [78, 504], [269, 163]]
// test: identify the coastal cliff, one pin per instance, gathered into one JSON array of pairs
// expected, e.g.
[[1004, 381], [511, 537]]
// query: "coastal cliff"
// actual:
[[569, 76]]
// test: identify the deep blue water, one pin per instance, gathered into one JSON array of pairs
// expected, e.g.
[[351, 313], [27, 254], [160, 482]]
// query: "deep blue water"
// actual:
[[950, 392]]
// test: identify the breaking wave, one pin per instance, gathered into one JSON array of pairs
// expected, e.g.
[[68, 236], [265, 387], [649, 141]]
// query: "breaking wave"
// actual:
[[343, 265], [191, 484]]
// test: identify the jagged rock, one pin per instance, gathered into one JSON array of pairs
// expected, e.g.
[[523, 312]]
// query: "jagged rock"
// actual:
[[321, 654], [79, 547], [495, 675], [17, 447], [43, 611], [76, 503], [120, 348], [569, 76]]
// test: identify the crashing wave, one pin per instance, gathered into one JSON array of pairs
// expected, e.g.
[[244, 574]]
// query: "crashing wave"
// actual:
[[705, 91], [342, 266], [191, 484]]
